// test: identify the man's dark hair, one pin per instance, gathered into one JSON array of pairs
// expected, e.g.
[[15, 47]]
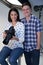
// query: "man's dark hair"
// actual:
[[13, 9], [28, 4]]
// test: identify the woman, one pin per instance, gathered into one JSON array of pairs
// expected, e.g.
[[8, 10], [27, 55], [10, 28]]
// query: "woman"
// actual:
[[13, 50]]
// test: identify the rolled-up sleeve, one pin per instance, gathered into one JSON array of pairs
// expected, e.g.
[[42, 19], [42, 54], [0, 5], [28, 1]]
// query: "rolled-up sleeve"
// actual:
[[39, 27]]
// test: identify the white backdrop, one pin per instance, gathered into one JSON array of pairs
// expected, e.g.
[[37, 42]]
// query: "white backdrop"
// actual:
[[4, 24], [4, 21]]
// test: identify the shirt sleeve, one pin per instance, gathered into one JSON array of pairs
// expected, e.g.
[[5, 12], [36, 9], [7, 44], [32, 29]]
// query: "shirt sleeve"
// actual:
[[21, 33], [39, 26]]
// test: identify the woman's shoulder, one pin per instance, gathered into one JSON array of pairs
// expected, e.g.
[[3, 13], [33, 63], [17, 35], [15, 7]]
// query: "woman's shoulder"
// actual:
[[20, 23]]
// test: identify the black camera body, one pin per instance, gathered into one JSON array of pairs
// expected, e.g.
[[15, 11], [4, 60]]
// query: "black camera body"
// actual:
[[10, 34]]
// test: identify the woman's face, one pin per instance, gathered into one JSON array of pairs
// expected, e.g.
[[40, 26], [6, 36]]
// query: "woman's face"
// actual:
[[13, 16], [26, 10]]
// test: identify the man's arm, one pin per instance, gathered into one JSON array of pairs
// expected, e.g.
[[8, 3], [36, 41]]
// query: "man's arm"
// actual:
[[38, 40]]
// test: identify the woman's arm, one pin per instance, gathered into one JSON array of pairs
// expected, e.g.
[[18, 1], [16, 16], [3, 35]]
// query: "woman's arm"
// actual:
[[20, 34]]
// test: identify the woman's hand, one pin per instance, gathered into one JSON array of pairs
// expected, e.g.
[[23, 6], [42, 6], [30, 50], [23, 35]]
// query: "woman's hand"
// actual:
[[4, 34], [14, 38]]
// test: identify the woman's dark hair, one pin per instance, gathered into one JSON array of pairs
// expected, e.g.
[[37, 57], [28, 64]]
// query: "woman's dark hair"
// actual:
[[13, 9], [27, 3]]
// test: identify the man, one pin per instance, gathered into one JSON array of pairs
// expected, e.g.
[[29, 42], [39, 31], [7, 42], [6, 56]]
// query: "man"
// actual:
[[33, 30]]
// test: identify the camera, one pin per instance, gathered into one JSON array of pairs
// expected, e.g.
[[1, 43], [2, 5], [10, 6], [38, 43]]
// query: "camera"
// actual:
[[10, 34]]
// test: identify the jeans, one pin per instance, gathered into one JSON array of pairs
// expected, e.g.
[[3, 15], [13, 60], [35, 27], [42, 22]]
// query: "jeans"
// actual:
[[12, 54], [32, 57]]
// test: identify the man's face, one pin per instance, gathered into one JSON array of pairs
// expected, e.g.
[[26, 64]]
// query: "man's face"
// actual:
[[26, 10]]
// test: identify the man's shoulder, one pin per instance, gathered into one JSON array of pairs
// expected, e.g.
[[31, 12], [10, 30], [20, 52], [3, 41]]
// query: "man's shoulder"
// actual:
[[22, 20], [34, 18]]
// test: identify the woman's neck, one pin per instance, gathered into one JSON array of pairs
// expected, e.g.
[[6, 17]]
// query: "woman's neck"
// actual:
[[14, 23]]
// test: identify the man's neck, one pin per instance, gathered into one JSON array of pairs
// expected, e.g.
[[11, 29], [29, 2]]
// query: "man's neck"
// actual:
[[28, 18]]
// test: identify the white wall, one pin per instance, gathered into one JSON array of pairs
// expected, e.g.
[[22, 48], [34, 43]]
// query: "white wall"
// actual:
[[4, 21]]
